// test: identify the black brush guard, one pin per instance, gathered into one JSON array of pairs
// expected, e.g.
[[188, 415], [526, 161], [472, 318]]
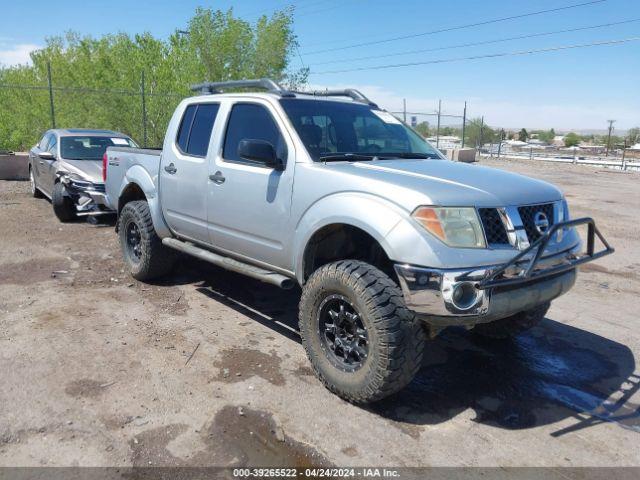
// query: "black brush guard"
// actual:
[[529, 273]]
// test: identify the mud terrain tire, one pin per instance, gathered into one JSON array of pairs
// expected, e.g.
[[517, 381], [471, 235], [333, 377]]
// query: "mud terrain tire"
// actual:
[[142, 249], [395, 338]]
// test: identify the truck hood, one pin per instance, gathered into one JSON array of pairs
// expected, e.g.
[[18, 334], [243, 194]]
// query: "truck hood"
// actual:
[[90, 170], [446, 183]]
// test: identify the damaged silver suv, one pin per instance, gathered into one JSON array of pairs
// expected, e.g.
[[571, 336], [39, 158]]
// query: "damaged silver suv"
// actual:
[[67, 167]]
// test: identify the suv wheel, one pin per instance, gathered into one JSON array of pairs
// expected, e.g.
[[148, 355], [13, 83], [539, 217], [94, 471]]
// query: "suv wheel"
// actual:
[[513, 325], [142, 249], [362, 341], [63, 206], [35, 193]]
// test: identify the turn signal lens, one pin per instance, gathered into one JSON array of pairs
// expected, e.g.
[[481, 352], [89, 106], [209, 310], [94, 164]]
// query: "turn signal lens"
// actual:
[[455, 226]]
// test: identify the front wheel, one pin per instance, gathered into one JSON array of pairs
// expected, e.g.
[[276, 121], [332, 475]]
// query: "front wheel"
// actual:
[[141, 247], [513, 325], [63, 206], [362, 341]]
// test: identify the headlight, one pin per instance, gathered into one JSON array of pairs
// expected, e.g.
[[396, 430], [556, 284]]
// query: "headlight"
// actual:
[[455, 226], [563, 216]]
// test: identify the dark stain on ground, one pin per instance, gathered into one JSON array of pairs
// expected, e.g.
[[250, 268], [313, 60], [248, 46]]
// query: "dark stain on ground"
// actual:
[[594, 267], [350, 451], [540, 377], [254, 438], [85, 387], [32, 271], [237, 364], [237, 437], [304, 371]]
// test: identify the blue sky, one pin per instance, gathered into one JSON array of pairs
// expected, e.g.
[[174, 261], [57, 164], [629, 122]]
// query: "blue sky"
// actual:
[[572, 89]]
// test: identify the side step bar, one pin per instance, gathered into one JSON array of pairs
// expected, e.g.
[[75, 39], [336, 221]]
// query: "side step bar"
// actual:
[[258, 273]]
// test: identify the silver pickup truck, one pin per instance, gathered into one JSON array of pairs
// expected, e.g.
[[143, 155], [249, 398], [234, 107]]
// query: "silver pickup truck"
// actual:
[[389, 241]]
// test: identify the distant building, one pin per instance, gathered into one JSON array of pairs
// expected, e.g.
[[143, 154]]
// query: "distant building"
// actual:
[[558, 141], [446, 141]]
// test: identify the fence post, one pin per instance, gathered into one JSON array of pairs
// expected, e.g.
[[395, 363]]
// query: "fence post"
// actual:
[[624, 151], [50, 82], [438, 128], [404, 110], [464, 122], [499, 148], [531, 153], [144, 111], [481, 133]]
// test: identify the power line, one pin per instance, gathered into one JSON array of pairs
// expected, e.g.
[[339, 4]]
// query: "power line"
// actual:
[[477, 57], [457, 27], [475, 44]]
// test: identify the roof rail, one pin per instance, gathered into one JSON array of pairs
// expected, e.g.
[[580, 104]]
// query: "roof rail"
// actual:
[[356, 95], [219, 87]]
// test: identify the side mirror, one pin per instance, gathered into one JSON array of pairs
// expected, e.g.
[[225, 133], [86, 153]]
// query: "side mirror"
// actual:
[[260, 151], [46, 156]]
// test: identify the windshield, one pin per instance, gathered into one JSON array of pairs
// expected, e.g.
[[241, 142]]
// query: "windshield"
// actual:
[[90, 148], [332, 129]]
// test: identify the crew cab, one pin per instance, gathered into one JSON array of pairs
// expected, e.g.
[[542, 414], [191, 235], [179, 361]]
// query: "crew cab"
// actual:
[[389, 241]]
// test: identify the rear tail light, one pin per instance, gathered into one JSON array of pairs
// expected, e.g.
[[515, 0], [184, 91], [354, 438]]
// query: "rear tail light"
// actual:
[[104, 167]]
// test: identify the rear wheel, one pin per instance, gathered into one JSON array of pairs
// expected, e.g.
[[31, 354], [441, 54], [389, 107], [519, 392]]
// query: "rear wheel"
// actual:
[[63, 206], [362, 341], [35, 193], [513, 325], [141, 247]]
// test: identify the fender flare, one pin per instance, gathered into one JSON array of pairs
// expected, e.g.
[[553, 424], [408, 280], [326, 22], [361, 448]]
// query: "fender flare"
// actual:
[[374, 215], [137, 175]]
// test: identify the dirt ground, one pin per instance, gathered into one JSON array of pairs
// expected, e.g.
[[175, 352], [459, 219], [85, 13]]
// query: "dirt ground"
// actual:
[[206, 367]]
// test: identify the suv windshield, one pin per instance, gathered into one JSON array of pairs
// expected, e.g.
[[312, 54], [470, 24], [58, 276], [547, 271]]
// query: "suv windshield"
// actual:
[[333, 129], [90, 148]]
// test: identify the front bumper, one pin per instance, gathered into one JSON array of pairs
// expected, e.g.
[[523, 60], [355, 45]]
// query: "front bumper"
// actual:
[[483, 294], [89, 197]]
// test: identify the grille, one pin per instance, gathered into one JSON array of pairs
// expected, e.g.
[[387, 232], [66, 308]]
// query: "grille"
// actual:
[[493, 226], [527, 213]]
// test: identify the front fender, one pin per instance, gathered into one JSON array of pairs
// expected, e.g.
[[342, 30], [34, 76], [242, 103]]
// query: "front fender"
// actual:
[[137, 175], [372, 214]]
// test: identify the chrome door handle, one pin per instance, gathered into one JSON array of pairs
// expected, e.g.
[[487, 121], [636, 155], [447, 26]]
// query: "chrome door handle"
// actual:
[[217, 177], [171, 168]]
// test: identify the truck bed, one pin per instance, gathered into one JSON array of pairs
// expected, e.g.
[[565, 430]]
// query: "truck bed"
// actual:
[[121, 159]]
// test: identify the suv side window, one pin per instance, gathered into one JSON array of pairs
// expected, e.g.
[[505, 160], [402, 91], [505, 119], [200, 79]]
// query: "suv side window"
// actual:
[[251, 121], [195, 129]]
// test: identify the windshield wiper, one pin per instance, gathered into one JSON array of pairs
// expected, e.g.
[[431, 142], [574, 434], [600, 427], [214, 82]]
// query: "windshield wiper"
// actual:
[[385, 155], [348, 157]]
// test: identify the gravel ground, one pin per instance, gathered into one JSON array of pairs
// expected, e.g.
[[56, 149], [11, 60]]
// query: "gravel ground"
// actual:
[[206, 367]]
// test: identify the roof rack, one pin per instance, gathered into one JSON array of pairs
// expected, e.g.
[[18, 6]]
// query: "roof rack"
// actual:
[[356, 95], [219, 87]]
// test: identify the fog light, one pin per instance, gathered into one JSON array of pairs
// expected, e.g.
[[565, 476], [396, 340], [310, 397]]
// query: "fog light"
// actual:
[[465, 295]]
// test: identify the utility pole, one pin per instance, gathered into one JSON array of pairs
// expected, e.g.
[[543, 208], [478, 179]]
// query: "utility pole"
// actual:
[[144, 111], [611, 122], [464, 122], [404, 110], [50, 82], [438, 129]]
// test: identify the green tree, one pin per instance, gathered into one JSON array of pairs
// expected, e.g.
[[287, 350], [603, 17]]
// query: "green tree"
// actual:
[[633, 135], [547, 136], [478, 134], [523, 136], [423, 129], [571, 139], [98, 80]]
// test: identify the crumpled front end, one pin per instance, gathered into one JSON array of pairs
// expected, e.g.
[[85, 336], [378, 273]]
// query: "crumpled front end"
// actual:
[[89, 197]]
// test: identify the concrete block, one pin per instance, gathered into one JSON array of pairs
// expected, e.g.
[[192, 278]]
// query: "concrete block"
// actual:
[[467, 155], [14, 166]]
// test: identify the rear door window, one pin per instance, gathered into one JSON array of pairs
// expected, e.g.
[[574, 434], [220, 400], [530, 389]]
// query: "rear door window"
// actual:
[[250, 121], [195, 129]]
